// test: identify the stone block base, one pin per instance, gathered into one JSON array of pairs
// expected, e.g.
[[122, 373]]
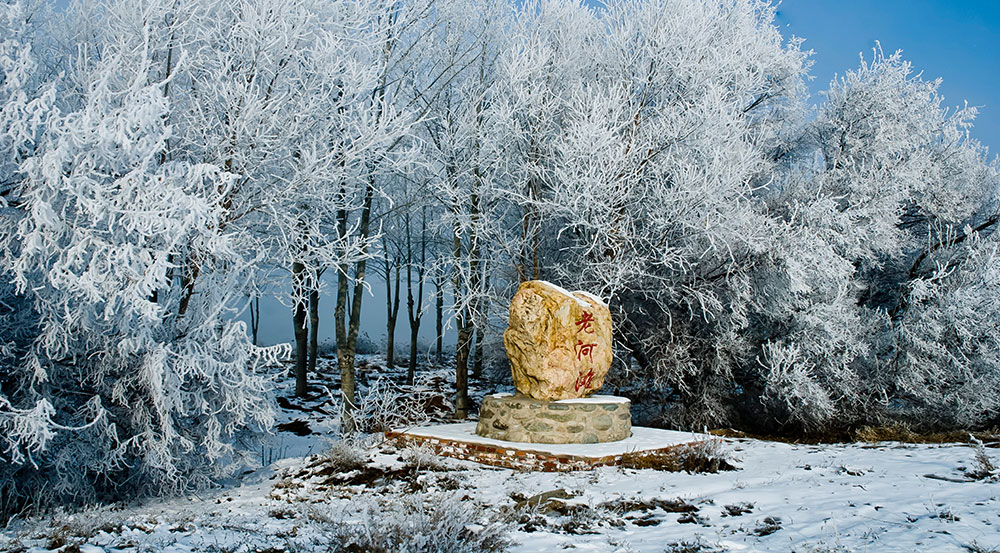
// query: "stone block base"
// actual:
[[460, 441], [595, 419]]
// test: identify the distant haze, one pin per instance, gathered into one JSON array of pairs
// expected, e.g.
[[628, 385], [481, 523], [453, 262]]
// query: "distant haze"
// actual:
[[276, 319]]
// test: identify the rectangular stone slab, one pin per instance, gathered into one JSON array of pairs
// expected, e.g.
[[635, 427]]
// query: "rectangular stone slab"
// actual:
[[459, 440]]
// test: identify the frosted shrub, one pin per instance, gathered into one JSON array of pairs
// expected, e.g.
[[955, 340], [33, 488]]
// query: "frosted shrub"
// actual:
[[344, 455], [385, 406], [948, 343], [415, 523], [983, 466], [422, 457], [708, 455]]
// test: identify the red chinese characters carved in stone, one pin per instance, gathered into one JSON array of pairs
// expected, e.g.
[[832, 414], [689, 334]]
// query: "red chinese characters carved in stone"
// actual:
[[584, 349], [584, 380], [585, 322]]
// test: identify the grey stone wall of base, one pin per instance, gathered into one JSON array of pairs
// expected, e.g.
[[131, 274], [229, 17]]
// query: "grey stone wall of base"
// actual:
[[523, 419]]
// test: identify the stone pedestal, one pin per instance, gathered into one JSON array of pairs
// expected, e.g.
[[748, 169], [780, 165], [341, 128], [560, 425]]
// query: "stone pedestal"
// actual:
[[587, 420]]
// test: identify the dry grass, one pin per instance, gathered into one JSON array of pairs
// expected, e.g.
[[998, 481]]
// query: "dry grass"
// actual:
[[552, 511], [897, 432], [65, 530], [699, 457], [625, 505], [903, 433], [768, 526], [343, 456], [416, 523], [983, 466], [737, 509], [788, 439], [976, 548], [696, 546]]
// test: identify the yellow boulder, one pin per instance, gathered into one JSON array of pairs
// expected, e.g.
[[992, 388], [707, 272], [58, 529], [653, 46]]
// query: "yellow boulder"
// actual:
[[558, 342]]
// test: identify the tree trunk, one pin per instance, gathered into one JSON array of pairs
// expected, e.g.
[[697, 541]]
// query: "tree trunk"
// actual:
[[462, 403], [464, 345], [411, 365], [477, 358], [477, 362], [391, 312], [345, 357], [414, 308], [348, 324], [411, 369], [465, 325], [314, 324], [529, 266], [254, 318], [390, 343], [439, 315], [301, 331]]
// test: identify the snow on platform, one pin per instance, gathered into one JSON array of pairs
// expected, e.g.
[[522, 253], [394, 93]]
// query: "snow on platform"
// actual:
[[594, 399], [460, 441]]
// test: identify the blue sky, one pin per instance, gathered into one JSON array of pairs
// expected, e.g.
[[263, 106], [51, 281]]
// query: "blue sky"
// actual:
[[957, 40]]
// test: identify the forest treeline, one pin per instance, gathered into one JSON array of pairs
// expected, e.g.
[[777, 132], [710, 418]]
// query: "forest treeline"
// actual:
[[769, 265]]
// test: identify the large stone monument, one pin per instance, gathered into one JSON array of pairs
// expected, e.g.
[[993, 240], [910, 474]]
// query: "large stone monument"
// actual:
[[559, 346]]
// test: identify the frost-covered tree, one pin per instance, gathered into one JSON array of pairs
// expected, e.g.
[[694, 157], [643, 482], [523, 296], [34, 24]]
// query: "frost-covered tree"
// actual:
[[27, 103], [132, 382], [654, 179], [763, 262], [542, 72], [209, 142], [882, 237], [411, 81], [283, 97], [27, 96], [460, 153]]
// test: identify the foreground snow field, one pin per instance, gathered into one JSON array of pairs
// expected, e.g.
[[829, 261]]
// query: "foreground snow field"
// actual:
[[372, 496], [883, 497]]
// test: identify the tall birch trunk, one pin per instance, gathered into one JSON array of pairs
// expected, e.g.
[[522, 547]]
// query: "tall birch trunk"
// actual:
[[348, 324]]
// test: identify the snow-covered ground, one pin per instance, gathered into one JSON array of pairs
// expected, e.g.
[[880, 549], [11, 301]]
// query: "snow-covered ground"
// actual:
[[882, 497]]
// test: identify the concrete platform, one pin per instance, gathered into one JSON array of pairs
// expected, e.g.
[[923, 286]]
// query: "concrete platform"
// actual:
[[460, 441]]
